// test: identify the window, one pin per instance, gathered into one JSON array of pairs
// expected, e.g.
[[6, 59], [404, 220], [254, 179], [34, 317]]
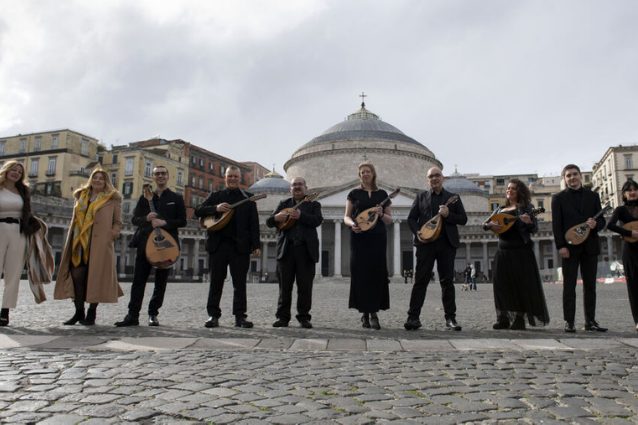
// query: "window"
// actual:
[[23, 145], [114, 179], [210, 185], [2, 143], [148, 168], [629, 162], [541, 203], [193, 160], [494, 206], [35, 164], [180, 176], [211, 167], [127, 189], [201, 162], [126, 207], [84, 147], [222, 170], [500, 182], [51, 166], [48, 189], [38, 144], [115, 159], [55, 141], [128, 166], [193, 181], [201, 183]]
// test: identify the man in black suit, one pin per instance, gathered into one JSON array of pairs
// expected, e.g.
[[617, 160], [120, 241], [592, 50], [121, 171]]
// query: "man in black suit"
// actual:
[[297, 253], [171, 215], [442, 250], [575, 205], [230, 246]]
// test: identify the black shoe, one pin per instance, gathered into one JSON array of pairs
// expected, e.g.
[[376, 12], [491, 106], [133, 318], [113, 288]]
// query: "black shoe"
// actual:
[[77, 317], [518, 324], [374, 322], [412, 324], [152, 320], [365, 321], [592, 325], [90, 316], [502, 323], [212, 322], [128, 321], [569, 327], [279, 323], [451, 325], [305, 324], [243, 323], [4, 317]]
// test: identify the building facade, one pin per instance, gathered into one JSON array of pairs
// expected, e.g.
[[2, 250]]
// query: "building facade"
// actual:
[[617, 165]]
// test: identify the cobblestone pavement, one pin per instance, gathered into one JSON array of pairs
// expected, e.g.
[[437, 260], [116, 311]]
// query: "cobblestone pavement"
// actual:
[[337, 372]]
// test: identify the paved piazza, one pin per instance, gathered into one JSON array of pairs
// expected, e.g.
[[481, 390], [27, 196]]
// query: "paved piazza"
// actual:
[[337, 372]]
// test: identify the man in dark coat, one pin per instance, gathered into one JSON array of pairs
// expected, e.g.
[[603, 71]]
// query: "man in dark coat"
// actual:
[[297, 252], [170, 216], [572, 206], [230, 246], [442, 250]]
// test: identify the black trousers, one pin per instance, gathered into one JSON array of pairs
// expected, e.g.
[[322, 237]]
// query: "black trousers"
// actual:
[[142, 271], [226, 256], [588, 265], [444, 254], [295, 265]]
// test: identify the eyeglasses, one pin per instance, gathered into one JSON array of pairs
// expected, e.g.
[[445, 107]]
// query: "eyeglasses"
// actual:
[[160, 173], [432, 176]]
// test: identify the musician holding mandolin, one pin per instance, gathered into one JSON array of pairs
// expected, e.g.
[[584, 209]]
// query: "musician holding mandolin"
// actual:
[[627, 214], [230, 246], [296, 219], [575, 208], [367, 213], [445, 209], [518, 291], [158, 215]]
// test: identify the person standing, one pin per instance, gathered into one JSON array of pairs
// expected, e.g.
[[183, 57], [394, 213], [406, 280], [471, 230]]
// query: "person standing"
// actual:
[[518, 291], [231, 246], [87, 269], [170, 216], [297, 252], [369, 291], [442, 250], [15, 212], [625, 214], [472, 277], [572, 206]]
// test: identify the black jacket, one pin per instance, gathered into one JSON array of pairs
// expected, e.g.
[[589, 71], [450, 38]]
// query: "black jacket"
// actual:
[[570, 208], [305, 230], [169, 207], [421, 212], [243, 227]]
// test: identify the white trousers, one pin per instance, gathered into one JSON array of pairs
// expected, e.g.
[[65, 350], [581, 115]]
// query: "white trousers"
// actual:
[[12, 251]]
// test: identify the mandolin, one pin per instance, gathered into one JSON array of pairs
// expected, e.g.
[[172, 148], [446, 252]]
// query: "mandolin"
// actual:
[[291, 221], [431, 230], [578, 233], [507, 220], [161, 248], [215, 224], [631, 226], [367, 219]]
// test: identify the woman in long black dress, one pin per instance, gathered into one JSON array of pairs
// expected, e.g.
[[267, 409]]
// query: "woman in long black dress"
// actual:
[[628, 213], [369, 281], [518, 291]]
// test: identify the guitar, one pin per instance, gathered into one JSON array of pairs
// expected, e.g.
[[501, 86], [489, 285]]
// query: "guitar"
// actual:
[[431, 230], [368, 218], [631, 226], [507, 220], [215, 224], [578, 233], [161, 248], [291, 221]]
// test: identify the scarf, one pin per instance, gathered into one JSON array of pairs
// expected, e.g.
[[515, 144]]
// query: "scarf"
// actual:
[[84, 212]]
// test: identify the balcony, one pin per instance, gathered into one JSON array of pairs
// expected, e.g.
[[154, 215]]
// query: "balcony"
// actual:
[[50, 173], [33, 174], [81, 173]]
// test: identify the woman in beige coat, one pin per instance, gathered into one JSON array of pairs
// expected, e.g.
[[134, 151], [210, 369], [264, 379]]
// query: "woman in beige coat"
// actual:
[[87, 269]]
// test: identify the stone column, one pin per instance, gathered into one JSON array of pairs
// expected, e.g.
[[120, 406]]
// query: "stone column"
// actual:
[[318, 266], [468, 252], [196, 259], [610, 248], [337, 248], [486, 265], [264, 257], [396, 258], [123, 255]]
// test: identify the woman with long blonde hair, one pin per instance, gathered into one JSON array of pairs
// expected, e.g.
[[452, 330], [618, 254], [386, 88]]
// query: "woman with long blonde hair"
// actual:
[[87, 269], [15, 210]]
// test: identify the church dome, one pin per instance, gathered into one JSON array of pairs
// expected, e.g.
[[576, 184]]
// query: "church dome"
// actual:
[[458, 183], [331, 158], [272, 182], [475, 200]]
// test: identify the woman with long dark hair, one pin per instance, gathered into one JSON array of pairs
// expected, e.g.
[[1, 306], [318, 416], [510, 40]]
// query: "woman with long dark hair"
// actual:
[[518, 291], [15, 211], [626, 214]]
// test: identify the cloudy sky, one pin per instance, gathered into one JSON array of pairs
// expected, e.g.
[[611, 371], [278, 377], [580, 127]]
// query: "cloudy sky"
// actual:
[[491, 86]]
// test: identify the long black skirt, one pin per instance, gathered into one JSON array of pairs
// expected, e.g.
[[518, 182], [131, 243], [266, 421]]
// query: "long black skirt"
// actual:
[[369, 291], [517, 285], [630, 263]]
